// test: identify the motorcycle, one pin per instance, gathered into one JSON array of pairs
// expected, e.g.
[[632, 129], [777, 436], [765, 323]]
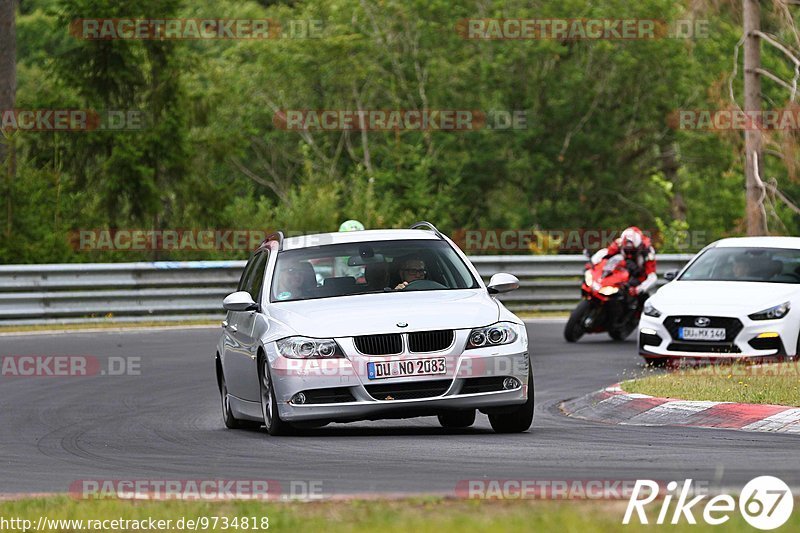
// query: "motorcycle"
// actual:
[[605, 304]]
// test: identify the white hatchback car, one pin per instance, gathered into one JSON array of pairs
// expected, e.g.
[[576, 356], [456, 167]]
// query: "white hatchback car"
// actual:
[[737, 298], [371, 325]]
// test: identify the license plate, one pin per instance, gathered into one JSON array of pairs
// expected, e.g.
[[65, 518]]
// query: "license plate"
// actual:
[[402, 369], [702, 334]]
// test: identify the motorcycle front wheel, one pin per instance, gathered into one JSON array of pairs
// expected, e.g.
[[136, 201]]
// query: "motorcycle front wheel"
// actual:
[[623, 331], [574, 329], [622, 334]]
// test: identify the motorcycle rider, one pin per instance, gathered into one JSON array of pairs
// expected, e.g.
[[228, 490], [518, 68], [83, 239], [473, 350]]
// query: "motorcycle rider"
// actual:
[[640, 260]]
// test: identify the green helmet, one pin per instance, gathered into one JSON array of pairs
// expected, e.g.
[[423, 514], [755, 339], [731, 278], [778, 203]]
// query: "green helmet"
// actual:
[[351, 225]]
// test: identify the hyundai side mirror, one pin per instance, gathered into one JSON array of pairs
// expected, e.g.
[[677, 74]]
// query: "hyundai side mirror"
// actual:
[[239, 301], [672, 274], [502, 282]]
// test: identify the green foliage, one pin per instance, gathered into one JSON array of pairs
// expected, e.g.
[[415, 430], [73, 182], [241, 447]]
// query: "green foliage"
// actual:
[[211, 156]]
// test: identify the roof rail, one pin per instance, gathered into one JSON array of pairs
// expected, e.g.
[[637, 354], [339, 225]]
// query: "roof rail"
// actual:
[[425, 223], [277, 236]]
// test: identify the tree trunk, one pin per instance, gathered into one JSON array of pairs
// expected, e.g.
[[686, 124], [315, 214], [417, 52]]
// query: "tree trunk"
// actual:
[[8, 91], [754, 208], [670, 166]]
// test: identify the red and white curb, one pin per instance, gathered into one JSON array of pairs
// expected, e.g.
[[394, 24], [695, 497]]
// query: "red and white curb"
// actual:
[[612, 405]]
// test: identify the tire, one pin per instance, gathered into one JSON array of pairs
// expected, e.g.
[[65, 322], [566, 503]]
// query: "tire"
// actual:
[[269, 405], [621, 335], [574, 329], [518, 420], [231, 422], [617, 335], [457, 419]]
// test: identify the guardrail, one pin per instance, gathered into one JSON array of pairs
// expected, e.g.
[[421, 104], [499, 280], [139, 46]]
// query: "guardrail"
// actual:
[[168, 291]]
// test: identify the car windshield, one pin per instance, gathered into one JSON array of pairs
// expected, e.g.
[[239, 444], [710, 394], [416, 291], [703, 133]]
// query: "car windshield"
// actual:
[[770, 265], [368, 267]]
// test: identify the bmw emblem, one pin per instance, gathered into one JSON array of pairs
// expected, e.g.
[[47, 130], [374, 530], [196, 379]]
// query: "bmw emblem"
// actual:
[[402, 324], [702, 321]]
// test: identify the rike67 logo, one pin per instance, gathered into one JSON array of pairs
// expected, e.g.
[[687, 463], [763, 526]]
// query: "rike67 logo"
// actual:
[[765, 503]]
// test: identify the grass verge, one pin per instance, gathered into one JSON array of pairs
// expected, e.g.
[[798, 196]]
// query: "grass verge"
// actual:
[[542, 314], [776, 383], [105, 325], [421, 515]]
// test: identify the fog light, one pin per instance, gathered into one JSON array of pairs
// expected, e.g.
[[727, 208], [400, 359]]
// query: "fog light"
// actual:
[[510, 383], [299, 398], [647, 331], [767, 335]]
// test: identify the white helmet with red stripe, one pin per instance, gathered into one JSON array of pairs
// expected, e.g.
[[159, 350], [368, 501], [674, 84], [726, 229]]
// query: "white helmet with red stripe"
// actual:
[[631, 240]]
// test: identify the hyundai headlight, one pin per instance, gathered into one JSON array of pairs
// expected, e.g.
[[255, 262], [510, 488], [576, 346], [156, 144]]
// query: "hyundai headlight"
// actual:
[[608, 290], [494, 335], [308, 348], [779, 311], [649, 310]]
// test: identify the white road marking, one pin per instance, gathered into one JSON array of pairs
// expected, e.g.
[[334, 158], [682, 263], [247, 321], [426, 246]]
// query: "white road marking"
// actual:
[[677, 412], [778, 422]]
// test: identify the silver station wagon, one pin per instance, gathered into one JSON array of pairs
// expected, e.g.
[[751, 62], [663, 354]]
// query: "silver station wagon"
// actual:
[[369, 325]]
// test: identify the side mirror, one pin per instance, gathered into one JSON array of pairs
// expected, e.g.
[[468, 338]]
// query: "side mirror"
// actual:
[[586, 254], [502, 282], [239, 301], [672, 274]]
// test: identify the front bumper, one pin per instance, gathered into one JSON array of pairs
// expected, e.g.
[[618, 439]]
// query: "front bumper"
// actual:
[[761, 339], [377, 409], [473, 381]]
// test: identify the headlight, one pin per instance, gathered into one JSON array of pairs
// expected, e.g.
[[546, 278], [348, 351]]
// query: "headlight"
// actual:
[[779, 311], [649, 310], [609, 290], [308, 348], [587, 278], [494, 335]]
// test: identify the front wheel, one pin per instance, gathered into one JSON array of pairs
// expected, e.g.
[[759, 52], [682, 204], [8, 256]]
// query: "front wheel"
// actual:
[[269, 405], [574, 329], [622, 334], [518, 420]]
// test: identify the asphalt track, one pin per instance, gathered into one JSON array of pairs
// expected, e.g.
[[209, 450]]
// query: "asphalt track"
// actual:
[[166, 424]]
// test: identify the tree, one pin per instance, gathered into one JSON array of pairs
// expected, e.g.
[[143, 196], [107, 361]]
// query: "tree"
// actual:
[[756, 217], [8, 92]]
